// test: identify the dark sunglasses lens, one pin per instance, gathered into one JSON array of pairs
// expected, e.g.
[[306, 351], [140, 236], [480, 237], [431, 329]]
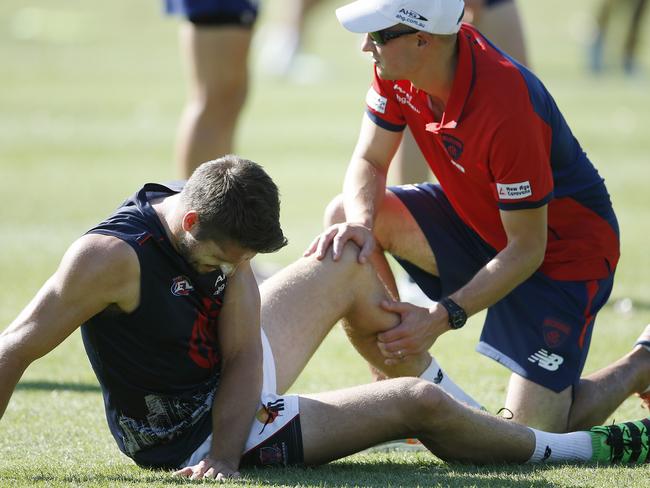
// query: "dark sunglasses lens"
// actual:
[[376, 37]]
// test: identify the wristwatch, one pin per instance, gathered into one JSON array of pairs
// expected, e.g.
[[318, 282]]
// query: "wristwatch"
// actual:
[[457, 316]]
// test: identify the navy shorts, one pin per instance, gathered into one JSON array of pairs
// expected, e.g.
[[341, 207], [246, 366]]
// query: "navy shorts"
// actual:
[[215, 12], [541, 330]]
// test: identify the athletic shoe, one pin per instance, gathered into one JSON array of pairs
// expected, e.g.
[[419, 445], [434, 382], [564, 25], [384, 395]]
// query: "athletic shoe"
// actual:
[[644, 341], [625, 443]]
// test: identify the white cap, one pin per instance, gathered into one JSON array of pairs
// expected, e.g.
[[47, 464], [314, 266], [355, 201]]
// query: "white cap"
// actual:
[[434, 16]]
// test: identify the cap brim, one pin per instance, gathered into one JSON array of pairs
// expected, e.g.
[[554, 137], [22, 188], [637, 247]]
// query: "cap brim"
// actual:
[[362, 17]]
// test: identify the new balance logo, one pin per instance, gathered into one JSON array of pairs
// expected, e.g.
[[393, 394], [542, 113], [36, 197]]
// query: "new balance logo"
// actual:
[[550, 362]]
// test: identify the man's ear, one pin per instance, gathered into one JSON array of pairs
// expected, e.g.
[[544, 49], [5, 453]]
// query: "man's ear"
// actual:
[[190, 219]]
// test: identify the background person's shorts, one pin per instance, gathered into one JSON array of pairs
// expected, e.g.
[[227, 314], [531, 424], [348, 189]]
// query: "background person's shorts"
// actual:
[[275, 438], [541, 330], [215, 12]]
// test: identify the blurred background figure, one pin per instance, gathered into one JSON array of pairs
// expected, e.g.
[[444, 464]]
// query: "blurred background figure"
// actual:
[[282, 53], [631, 33], [215, 40], [499, 21]]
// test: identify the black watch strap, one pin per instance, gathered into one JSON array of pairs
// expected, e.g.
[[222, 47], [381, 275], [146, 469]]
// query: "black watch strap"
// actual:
[[457, 315]]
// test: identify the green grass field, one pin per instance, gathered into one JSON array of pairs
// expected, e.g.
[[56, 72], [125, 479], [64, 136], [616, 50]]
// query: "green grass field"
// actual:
[[89, 98]]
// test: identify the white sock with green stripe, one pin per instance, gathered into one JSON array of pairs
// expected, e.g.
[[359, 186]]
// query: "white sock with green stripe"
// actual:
[[550, 448], [435, 374]]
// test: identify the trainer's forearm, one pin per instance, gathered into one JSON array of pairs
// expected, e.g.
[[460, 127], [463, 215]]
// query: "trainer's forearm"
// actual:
[[497, 278], [363, 190]]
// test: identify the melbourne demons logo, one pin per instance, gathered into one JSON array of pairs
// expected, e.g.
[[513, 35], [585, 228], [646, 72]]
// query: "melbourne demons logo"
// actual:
[[181, 286], [453, 145], [555, 332], [203, 343]]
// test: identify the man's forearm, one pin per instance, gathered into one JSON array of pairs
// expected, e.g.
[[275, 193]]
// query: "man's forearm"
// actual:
[[234, 407], [363, 190], [11, 369], [497, 278]]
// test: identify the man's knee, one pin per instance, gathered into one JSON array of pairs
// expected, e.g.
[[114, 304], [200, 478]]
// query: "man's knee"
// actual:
[[334, 212], [425, 404]]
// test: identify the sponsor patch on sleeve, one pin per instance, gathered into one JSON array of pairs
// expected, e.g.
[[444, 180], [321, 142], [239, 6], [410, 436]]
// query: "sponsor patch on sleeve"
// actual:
[[375, 101], [514, 191]]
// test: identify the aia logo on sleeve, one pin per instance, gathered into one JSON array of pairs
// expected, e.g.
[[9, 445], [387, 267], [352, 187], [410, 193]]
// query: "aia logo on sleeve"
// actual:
[[181, 286]]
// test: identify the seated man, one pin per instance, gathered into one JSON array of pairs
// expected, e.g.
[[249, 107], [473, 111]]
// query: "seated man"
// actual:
[[170, 317]]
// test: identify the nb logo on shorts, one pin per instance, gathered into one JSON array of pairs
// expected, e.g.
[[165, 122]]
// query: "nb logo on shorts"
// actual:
[[550, 362]]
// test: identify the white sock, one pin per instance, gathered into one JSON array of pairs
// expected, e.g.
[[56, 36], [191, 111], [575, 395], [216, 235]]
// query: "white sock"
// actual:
[[549, 448], [435, 374]]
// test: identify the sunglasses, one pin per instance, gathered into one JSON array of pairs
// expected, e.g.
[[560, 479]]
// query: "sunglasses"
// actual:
[[381, 37]]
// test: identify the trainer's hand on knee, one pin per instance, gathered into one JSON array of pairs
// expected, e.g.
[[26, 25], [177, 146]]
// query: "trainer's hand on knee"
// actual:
[[417, 331], [209, 468], [337, 235]]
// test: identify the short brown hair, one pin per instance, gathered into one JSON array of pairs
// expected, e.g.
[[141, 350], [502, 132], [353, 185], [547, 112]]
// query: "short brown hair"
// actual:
[[236, 200]]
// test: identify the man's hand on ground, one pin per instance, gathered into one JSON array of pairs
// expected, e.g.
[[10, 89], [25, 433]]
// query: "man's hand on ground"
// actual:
[[209, 468], [337, 235]]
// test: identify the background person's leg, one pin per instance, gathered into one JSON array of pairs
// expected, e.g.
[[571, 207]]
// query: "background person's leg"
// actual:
[[217, 65], [502, 24], [632, 39]]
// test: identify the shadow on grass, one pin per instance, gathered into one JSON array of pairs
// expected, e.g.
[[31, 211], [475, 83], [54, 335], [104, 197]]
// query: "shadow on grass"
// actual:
[[52, 386], [386, 473], [339, 474]]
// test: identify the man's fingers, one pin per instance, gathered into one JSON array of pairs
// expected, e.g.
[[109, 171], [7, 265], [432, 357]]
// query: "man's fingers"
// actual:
[[397, 307], [366, 250], [184, 473], [211, 473], [337, 243], [225, 476], [324, 242], [312, 247]]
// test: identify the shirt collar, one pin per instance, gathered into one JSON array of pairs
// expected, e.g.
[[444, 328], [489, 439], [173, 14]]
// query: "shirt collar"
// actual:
[[461, 87]]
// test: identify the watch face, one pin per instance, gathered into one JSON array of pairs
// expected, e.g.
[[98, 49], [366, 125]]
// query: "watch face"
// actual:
[[457, 316], [458, 319]]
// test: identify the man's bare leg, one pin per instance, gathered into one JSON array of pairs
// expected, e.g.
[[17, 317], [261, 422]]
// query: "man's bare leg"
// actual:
[[397, 232], [336, 424], [217, 66], [301, 303], [502, 24]]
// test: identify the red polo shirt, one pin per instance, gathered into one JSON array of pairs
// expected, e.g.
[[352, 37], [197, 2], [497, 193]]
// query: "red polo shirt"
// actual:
[[502, 144]]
